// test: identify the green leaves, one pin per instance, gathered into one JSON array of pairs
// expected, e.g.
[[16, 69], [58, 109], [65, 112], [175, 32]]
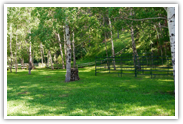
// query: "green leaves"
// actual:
[[89, 25]]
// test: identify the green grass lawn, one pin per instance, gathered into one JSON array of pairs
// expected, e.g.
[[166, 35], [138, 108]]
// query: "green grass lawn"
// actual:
[[44, 93]]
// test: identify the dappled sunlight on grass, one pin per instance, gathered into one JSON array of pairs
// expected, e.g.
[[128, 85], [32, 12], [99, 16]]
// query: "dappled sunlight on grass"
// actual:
[[19, 106], [47, 94], [166, 80], [87, 69]]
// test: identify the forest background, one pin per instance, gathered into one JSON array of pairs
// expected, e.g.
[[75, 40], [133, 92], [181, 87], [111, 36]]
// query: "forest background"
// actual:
[[87, 34], [38, 35]]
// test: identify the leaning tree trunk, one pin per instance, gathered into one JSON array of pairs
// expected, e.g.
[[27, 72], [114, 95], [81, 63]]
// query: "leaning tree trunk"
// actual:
[[63, 66], [112, 44], [68, 60], [171, 27], [73, 47]]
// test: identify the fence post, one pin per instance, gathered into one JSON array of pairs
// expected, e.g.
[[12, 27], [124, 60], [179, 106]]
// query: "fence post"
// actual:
[[135, 67]]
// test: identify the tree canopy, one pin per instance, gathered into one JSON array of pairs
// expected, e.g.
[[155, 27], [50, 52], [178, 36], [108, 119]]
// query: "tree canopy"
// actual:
[[90, 25]]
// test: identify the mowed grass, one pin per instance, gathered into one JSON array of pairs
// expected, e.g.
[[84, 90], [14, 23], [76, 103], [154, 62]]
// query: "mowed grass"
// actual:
[[45, 93]]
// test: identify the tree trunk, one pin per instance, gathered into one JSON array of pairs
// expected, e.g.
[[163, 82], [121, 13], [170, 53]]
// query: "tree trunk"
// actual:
[[22, 63], [106, 45], [30, 59], [68, 62], [160, 42], [65, 47], [171, 27], [106, 52], [16, 65], [51, 60], [48, 59], [73, 47], [158, 38], [11, 54], [134, 47], [105, 37], [63, 66], [41, 55], [90, 35], [57, 63], [112, 44], [54, 59]]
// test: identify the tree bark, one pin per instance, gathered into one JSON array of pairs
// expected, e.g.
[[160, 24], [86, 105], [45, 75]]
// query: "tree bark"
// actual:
[[16, 65], [68, 62], [90, 35], [112, 45], [51, 60], [158, 39], [65, 47], [63, 66], [30, 57], [73, 47], [160, 42], [54, 58], [22, 63], [48, 59], [41, 55], [11, 54], [134, 47], [106, 52], [171, 27], [106, 45]]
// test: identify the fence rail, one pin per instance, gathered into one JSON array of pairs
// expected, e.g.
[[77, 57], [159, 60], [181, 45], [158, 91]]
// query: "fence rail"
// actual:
[[134, 65]]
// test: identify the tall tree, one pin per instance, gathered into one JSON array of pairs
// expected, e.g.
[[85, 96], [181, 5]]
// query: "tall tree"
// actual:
[[61, 53], [68, 62], [65, 46], [73, 49], [112, 44], [41, 50], [16, 64], [11, 54], [30, 56], [52, 67], [171, 27]]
